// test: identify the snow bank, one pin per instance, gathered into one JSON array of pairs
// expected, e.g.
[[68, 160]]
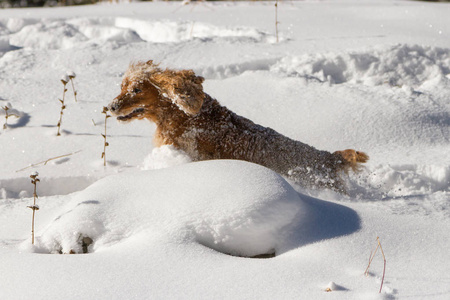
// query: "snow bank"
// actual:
[[164, 31], [233, 207], [66, 34], [397, 66], [47, 35]]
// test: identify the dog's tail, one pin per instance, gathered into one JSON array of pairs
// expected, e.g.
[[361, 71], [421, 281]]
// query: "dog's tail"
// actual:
[[351, 159]]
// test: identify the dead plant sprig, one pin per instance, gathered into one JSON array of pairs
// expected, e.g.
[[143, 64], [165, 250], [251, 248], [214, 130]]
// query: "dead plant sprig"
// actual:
[[7, 115], [34, 207], [276, 19], [72, 76], [105, 144], [64, 80], [372, 255], [46, 161]]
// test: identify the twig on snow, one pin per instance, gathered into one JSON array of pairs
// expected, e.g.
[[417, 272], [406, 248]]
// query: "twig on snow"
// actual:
[[105, 144], [64, 80], [276, 19], [46, 161], [371, 258], [34, 207]]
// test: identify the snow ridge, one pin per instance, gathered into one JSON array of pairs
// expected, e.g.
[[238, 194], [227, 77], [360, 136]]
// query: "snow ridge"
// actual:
[[76, 32], [395, 66]]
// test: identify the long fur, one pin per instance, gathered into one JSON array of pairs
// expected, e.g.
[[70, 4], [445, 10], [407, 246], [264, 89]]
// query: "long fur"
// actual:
[[194, 122]]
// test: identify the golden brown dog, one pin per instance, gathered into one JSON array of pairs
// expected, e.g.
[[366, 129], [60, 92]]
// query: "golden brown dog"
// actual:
[[192, 121]]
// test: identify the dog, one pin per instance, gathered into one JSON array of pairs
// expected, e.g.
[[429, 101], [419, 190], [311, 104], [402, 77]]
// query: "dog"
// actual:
[[192, 121]]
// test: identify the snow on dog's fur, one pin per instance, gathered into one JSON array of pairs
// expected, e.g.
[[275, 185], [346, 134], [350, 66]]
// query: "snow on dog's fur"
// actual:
[[192, 121]]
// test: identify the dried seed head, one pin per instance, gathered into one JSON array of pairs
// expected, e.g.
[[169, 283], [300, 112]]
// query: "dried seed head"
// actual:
[[71, 74], [33, 207], [65, 79]]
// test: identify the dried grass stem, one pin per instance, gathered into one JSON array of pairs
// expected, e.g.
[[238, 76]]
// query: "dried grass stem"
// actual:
[[372, 255]]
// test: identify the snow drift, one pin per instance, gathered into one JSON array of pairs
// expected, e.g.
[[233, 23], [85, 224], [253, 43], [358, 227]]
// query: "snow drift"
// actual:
[[233, 207], [398, 65]]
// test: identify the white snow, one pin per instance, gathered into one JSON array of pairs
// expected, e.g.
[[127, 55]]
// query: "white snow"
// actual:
[[372, 75], [244, 215], [164, 157]]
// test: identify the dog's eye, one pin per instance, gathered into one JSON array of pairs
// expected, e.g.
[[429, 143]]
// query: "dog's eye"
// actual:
[[136, 91]]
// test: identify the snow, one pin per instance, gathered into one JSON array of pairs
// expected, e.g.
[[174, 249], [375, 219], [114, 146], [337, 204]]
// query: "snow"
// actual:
[[244, 215], [164, 157], [372, 75]]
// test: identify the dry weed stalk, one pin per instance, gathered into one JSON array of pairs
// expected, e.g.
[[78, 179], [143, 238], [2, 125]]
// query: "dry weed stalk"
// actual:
[[276, 19], [105, 144], [34, 207], [192, 29], [46, 161], [7, 115], [372, 255], [64, 80], [71, 76]]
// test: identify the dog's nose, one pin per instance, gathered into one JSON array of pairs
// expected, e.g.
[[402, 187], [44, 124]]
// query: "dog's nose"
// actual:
[[113, 107]]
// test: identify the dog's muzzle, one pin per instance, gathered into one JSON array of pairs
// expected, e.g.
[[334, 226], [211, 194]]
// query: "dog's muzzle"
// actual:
[[113, 106]]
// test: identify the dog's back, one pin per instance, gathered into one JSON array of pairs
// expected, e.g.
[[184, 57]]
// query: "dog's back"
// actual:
[[218, 133]]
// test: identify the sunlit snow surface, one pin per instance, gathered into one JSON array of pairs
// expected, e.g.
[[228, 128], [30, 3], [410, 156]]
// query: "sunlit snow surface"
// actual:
[[232, 206], [370, 75]]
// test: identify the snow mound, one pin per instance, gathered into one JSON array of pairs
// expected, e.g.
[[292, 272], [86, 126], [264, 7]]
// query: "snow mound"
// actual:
[[233, 207], [396, 65], [47, 35], [164, 157], [164, 31], [66, 34]]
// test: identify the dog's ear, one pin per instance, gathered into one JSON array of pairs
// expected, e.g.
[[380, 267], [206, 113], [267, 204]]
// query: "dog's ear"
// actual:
[[185, 90]]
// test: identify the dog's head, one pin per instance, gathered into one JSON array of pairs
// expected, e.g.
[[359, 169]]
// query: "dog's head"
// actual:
[[147, 91]]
